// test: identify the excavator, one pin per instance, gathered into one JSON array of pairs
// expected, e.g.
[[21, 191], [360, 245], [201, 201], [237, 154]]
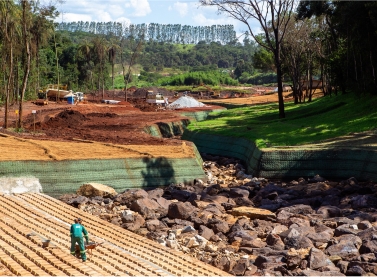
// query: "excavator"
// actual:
[[211, 92]]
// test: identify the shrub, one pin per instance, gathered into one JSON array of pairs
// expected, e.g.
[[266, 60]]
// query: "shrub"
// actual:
[[212, 78]]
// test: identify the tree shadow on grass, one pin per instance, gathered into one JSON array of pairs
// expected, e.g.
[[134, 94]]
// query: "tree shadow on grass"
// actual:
[[159, 172]]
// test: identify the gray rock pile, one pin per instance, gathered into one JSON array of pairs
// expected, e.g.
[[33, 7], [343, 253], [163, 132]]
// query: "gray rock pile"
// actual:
[[186, 102], [252, 226]]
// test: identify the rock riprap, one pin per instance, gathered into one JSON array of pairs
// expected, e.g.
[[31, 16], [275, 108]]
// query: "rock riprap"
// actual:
[[252, 226]]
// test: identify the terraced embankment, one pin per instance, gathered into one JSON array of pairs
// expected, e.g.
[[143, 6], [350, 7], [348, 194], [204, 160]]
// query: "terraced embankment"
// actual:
[[27, 220], [62, 167], [177, 127], [353, 155]]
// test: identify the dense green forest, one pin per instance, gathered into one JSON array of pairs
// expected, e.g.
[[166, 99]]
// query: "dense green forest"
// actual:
[[328, 40]]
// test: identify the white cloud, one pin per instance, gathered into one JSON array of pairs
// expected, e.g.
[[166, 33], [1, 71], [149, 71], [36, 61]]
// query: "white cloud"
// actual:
[[182, 8], [201, 19], [99, 10], [141, 7], [124, 20], [69, 17]]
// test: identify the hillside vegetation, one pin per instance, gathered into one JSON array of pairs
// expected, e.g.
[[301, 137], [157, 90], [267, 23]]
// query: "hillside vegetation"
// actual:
[[323, 118]]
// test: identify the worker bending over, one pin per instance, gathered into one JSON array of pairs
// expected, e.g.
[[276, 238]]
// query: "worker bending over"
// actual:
[[76, 237]]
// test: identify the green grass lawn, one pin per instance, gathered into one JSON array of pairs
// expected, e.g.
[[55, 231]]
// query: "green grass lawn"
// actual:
[[324, 118]]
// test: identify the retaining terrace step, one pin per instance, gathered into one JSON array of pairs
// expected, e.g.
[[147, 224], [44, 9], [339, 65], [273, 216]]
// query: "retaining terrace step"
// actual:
[[100, 228], [26, 220]]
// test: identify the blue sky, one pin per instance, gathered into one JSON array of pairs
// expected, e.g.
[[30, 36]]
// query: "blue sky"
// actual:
[[146, 11]]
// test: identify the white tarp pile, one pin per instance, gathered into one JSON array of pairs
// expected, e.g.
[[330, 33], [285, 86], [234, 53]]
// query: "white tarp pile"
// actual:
[[186, 102]]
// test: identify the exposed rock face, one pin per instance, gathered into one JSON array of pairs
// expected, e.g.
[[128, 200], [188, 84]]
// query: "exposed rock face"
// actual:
[[251, 226], [95, 189]]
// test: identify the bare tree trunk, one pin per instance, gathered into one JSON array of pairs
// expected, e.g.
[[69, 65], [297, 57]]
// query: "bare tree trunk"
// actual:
[[57, 69], [310, 83], [371, 63], [280, 82], [27, 63], [103, 83], [8, 85], [112, 76]]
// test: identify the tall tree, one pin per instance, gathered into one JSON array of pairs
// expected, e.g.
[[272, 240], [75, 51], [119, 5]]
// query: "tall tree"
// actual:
[[273, 17], [113, 50], [8, 27], [127, 75], [100, 49], [85, 49], [26, 25]]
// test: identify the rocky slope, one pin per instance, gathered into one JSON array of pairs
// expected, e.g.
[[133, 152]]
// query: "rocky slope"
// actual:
[[252, 226]]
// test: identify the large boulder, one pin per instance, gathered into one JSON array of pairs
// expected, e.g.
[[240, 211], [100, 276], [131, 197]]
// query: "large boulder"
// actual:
[[155, 193], [253, 213], [345, 249], [205, 232], [95, 189], [129, 196], [369, 238], [181, 210], [318, 259], [132, 221], [148, 208], [240, 267], [77, 200], [297, 209], [238, 192]]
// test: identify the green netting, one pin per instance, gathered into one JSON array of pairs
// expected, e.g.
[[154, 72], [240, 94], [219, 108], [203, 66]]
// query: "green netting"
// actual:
[[225, 146], [153, 130], [59, 177], [167, 129], [200, 115], [176, 128], [291, 162]]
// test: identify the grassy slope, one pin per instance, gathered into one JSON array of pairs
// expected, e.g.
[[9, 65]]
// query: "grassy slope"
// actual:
[[324, 118]]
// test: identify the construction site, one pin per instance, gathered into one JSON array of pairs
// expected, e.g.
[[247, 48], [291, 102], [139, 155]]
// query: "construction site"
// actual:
[[173, 212], [61, 139]]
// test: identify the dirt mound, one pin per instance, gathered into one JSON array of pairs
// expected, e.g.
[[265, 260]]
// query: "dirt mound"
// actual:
[[139, 93], [66, 118], [142, 105]]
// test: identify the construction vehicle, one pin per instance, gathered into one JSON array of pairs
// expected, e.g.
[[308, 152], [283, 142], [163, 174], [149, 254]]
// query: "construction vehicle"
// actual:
[[53, 92], [42, 100], [154, 98], [210, 91]]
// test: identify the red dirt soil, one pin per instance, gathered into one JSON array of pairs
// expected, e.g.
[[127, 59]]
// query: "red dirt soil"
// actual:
[[121, 123]]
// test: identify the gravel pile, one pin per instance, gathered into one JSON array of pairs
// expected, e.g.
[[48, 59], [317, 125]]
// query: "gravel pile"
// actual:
[[185, 102]]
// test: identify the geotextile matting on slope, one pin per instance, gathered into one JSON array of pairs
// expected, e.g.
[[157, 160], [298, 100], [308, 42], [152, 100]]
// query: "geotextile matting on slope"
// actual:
[[167, 129], [176, 128], [201, 115], [61, 170], [35, 241], [327, 160]]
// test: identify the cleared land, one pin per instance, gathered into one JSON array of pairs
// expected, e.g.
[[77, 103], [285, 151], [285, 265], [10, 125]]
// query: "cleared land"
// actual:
[[15, 148]]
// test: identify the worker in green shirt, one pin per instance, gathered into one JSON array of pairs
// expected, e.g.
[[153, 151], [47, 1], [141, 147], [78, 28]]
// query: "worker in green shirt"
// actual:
[[76, 237]]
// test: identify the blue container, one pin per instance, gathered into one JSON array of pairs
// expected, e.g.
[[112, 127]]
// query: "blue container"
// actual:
[[71, 100]]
